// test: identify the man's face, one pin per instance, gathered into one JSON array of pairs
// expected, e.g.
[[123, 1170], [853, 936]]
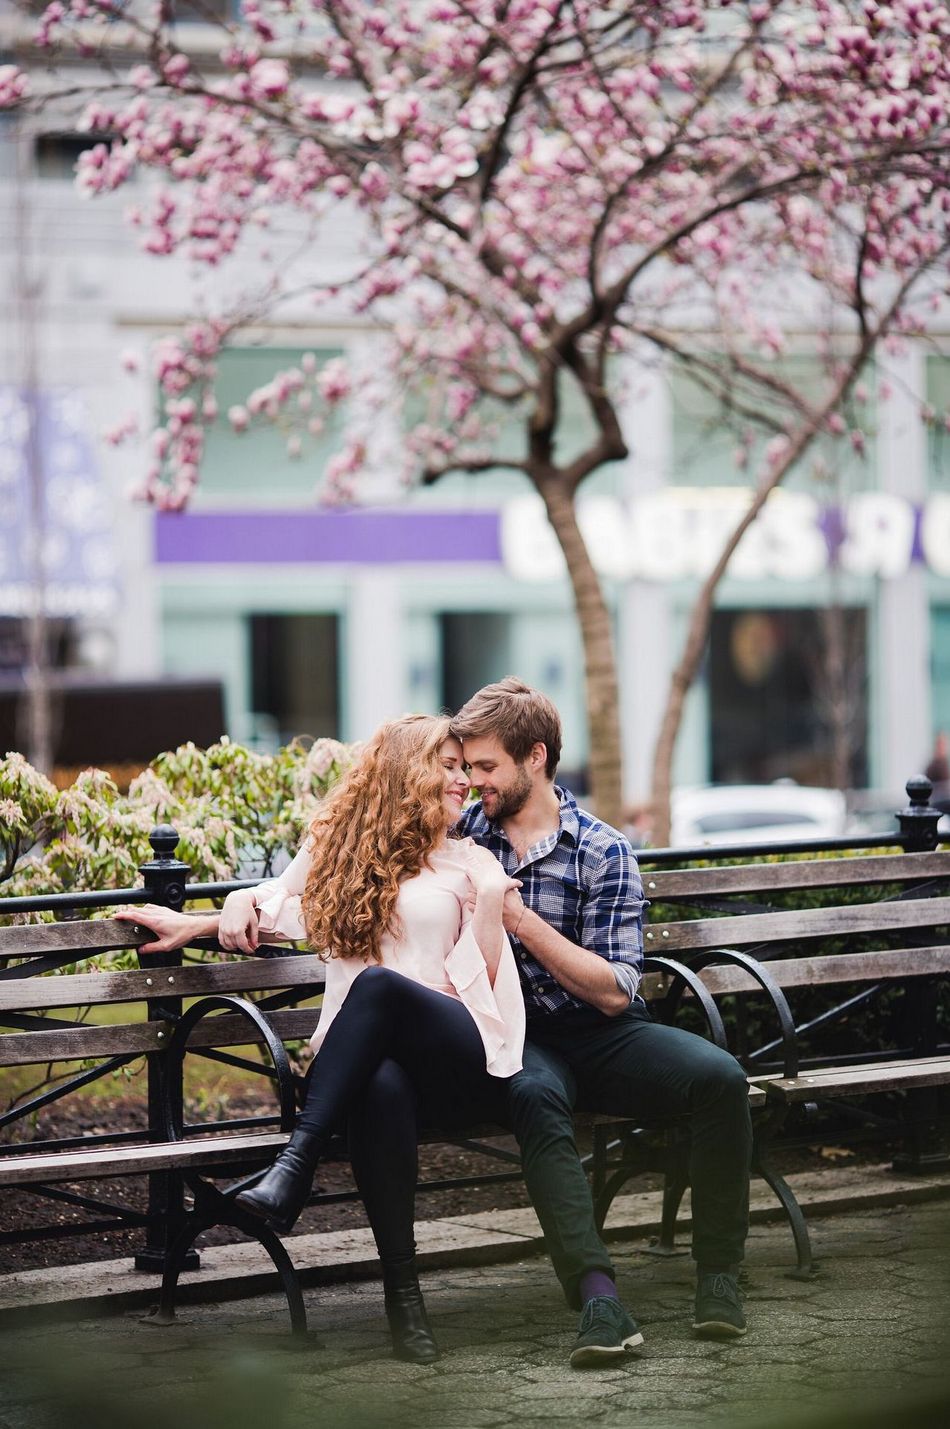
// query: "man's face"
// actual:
[[504, 785]]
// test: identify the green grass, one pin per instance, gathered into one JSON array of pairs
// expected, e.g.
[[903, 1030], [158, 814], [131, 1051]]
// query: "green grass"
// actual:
[[208, 1084]]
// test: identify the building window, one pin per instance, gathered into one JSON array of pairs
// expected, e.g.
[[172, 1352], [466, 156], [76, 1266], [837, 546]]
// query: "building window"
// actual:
[[706, 444], [61, 644], [475, 652], [940, 660], [56, 155], [201, 12], [788, 696], [295, 677], [253, 468]]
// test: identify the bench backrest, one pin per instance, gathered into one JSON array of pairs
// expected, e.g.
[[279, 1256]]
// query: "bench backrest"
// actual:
[[27, 999], [821, 941], [876, 917]]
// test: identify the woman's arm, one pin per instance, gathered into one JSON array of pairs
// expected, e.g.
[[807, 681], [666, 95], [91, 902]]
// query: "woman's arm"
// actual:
[[237, 925], [491, 883], [585, 975]]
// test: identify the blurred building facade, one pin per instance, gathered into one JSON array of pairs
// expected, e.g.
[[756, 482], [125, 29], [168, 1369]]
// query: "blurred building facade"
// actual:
[[829, 659]]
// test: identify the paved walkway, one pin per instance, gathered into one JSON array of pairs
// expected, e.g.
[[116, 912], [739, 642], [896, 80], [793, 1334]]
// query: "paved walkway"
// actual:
[[865, 1345]]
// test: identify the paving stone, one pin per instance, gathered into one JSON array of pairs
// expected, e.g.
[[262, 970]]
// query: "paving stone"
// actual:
[[831, 1353]]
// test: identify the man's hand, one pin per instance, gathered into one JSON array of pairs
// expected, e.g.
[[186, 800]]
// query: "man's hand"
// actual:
[[584, 974], [512, 909]]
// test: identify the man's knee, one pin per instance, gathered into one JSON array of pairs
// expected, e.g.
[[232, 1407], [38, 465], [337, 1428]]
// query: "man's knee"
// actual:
[[538, 1095], [724, 1082]]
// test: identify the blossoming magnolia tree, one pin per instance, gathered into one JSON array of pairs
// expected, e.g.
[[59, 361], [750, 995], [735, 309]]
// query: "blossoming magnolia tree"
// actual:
[[550, 192]]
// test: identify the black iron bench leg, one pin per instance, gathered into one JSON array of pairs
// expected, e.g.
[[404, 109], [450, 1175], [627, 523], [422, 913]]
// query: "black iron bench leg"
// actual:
[[213, 1209], [674, 1188], [174, 1264], [604, 1200], [806, 1267]]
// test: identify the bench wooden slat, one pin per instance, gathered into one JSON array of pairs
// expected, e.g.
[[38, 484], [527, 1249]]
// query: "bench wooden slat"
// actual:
[[86, 937], [128, 1160], [730, 932], [812, 972], [195, 980], [808, 873], [195, 1152], [860, 1079], [18, 1049]]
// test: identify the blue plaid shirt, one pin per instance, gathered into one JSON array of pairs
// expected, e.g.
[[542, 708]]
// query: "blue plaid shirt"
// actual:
[[584, 881]]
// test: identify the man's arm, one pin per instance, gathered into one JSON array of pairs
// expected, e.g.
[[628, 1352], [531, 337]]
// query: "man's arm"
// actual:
[[611, 931], [583, 974]]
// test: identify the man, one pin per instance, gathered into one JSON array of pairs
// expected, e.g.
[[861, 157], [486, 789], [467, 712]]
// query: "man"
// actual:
[[576, 931]]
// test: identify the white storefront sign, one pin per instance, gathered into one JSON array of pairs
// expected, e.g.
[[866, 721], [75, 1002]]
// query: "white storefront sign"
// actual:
[[678, 533]]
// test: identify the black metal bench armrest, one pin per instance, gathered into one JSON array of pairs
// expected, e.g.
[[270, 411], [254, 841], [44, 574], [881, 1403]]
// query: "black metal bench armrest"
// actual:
[[172, 1110], [770, 987], [685, 977]]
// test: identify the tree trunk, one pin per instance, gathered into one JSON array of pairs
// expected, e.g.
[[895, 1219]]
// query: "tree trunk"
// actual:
[[600, 662], [37, 697], [685, 672], [689, 662]]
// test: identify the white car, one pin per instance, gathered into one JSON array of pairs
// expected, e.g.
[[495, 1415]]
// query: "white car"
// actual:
[[755, 813]]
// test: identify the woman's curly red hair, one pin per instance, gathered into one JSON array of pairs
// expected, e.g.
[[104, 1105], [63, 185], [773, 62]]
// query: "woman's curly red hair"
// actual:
[[376, 828]]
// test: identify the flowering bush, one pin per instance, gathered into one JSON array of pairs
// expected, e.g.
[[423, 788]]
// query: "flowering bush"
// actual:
[[237, 813]]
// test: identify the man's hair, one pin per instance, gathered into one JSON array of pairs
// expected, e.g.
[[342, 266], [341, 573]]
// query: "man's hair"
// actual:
[[516, 715]]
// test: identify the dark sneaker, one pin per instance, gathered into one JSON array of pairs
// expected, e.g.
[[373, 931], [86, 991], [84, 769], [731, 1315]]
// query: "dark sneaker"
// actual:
[[605, 1335], [718, 1310]]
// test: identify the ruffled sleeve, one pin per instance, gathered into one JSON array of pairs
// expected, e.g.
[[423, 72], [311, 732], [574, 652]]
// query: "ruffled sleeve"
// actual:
[[498, 1012], [279, 901]]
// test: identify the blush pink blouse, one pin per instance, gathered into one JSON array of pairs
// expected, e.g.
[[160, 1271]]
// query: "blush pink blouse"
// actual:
[[435, 947]]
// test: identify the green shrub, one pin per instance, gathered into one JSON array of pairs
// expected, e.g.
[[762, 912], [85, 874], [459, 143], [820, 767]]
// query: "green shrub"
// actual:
[[236, 812]]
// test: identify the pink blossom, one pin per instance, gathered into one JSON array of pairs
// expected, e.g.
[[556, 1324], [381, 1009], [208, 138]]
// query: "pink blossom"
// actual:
[[811, 181], [176, 68], [270, 78], [14, 86], [334, 380], [121, 430]]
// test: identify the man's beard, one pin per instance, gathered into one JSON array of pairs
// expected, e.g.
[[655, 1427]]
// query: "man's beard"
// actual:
[[512, 800]]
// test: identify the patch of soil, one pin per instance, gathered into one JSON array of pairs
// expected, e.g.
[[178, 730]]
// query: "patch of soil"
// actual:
[[23, 1211]]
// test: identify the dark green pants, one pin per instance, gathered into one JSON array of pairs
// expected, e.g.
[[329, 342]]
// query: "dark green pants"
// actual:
[[629, 1066]]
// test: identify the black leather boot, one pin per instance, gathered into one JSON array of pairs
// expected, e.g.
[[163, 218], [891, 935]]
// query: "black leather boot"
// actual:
[[409, 1326], [283, 1191]]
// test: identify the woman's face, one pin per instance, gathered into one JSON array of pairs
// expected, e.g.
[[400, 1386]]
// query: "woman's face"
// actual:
[[457, 782]]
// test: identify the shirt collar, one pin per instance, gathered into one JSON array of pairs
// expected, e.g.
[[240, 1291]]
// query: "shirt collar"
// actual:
[[568, 817]]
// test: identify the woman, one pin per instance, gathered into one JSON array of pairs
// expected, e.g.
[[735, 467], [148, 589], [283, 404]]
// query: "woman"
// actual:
[[423, 1007]]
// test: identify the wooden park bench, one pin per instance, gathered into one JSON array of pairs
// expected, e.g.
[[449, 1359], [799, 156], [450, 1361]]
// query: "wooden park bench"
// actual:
[[211, 1008]]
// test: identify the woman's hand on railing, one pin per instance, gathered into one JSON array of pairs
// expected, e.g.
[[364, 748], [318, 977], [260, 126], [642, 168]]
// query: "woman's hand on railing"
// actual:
[[238, 926]]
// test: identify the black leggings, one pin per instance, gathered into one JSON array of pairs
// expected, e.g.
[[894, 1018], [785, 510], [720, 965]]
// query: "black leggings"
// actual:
[[395, 1056]]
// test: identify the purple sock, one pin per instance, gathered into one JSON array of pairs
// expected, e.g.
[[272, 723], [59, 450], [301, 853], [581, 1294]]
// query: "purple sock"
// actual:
[[597, 1282]]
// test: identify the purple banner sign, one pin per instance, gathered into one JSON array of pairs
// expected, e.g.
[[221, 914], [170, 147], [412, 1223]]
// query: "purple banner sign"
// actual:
[[377, 537]]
